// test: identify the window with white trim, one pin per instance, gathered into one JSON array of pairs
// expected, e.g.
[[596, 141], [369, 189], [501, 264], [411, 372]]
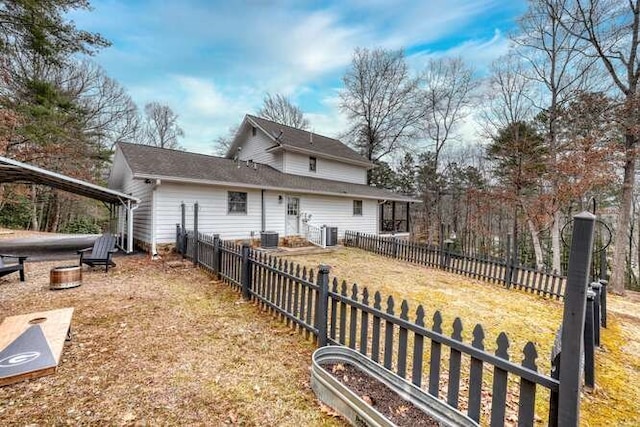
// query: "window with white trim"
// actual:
[[236, 202], [357, 207], [313, 163]]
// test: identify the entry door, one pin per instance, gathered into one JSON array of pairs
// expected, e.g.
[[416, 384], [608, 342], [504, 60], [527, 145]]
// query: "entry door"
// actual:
[[293, 215]]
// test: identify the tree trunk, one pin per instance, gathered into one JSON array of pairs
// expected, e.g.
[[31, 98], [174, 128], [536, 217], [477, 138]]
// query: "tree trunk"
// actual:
[[623, 222], [34, 209], [537, 248], [556, 251], [55, 216]]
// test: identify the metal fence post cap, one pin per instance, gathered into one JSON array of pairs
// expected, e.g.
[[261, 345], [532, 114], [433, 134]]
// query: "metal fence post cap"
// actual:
[[591, 294], [596, 285], [585, 215], [323, 268], [603, 282]]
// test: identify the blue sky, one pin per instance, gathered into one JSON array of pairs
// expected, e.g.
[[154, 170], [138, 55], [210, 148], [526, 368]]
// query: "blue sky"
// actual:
[[213, 61]]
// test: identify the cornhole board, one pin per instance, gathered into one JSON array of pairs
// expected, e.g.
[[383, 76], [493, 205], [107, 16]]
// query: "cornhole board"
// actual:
[[31, 344]]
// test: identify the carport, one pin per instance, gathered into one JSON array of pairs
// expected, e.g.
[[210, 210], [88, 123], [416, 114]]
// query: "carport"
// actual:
[[120, 205]]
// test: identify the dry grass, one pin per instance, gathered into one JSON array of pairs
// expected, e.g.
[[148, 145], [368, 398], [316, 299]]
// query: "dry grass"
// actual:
[[524, 317], [158, 345]]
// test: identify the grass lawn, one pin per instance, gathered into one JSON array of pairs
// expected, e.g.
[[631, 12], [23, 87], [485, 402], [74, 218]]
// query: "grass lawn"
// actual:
[[154, 345], [524, 317]]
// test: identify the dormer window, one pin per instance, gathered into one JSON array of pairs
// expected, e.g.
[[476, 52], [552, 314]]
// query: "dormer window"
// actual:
[[253, 131], [312, 164]]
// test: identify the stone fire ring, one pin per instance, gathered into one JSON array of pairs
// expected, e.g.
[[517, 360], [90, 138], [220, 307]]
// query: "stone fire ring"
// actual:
[[65, 277]]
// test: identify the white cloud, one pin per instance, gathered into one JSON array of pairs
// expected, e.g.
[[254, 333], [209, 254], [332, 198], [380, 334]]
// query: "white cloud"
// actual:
[[212, 62], [479, 53]]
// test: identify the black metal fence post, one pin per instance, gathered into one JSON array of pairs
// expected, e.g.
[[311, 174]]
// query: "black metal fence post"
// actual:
[[597, 319], [178, 238], [196, 237], [508, 265], [183, 217], [322, 305], [603, 302], [573, 319], [246, 272], [216, 254], [589, 342]]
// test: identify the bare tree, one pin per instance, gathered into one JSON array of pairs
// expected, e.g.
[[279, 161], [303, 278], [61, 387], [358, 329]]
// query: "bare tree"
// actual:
[[379, 99], [162, 129], [506, 119], [222, 143], [281, 110], [448, 84], [554, 60], [612, 30]]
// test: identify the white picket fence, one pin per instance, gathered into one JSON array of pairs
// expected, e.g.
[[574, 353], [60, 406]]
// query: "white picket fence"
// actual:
[[314, 234]]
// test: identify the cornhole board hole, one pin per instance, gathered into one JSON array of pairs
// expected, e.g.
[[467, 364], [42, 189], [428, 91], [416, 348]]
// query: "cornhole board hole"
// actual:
[[31, 344]]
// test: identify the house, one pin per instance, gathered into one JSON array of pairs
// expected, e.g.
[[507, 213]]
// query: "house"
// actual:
[[273, 178]]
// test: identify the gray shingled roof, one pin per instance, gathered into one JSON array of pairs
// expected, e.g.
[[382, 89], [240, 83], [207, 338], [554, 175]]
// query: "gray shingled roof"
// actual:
[[308, 141], [152, 162]]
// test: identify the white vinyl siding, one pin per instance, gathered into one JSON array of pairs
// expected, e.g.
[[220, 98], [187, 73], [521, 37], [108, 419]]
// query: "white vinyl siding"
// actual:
[[213, 217], [298, 164], [254, 148], [338, 212], [121, 179], [212, 211]]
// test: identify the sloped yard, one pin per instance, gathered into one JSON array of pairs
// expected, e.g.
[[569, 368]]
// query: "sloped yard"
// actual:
[[524, 317], [157, 345]]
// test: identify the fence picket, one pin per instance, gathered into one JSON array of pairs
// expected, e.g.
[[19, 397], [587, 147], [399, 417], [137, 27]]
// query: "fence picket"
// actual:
[[527, 401], [388, 336], [402, 341], [334, 310], [375, 339], [343, 315], [364, 323], [499, 397], [310, 303], [434, 359], [418, 349], [455, 358], [475, 376], [353, 317]]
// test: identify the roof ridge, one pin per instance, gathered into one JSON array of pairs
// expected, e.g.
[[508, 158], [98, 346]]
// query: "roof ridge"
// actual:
[[292, 127], [153, 147]]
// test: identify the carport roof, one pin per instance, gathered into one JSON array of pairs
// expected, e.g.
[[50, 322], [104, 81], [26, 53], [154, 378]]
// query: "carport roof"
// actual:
[[18, 172]]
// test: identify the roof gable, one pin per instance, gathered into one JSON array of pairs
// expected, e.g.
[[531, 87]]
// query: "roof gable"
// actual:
[[298, 140]]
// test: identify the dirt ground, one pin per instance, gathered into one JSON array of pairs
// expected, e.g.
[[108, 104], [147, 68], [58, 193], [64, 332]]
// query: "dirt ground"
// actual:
[[158, 345]]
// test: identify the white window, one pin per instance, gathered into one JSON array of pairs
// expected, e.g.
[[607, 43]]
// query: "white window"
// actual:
[[357, 207], [236, 202], [312, 164]]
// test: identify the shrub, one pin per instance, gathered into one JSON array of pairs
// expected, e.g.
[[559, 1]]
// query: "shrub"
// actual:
[[81, 226]]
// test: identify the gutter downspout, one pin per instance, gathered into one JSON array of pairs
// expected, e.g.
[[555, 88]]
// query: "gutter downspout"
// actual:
[[264, 216]]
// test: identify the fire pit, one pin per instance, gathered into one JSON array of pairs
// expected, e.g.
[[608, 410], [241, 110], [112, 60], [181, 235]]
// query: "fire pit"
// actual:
[[65, 277]]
